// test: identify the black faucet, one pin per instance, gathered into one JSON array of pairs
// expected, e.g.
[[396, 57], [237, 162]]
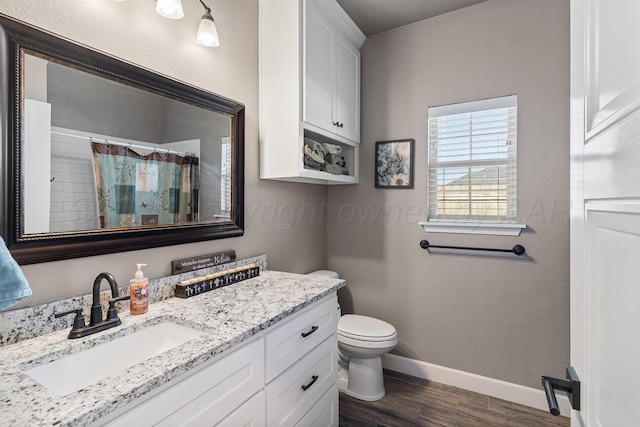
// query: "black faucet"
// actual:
[[96, 323], [96, 307]]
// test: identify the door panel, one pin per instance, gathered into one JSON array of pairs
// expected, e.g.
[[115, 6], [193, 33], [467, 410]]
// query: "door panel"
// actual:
[[605, 210], [613, 350], [611, 168], [613, 61]]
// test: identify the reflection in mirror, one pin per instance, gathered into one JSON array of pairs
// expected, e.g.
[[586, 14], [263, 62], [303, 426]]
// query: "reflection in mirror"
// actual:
[[112, 155], [102, 156]]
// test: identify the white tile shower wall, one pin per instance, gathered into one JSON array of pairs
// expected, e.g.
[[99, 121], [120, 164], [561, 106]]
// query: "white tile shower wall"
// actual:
[[73, 193]]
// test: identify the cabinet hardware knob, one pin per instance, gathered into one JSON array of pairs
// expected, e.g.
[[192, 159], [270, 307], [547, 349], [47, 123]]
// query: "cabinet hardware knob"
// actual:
[[305, 387], [306, 334]]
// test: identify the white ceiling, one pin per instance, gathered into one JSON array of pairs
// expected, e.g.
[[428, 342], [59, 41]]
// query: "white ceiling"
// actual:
[[374, 16]]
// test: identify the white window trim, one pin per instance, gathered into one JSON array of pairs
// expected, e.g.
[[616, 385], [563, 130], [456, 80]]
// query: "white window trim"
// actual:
[[493, 229], [468, 226]]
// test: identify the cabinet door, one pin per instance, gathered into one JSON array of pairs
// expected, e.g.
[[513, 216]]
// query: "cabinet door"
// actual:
[[206, 396], [298, 336], [294, 392], [319, 69], [347, 93], [324, 413], [220, 389], [252, 413]]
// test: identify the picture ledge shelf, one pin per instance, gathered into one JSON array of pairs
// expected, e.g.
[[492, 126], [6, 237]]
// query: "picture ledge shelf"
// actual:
[[473, 228]]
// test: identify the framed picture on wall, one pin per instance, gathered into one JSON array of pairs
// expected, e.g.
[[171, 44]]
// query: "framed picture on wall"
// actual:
[[394, 164]]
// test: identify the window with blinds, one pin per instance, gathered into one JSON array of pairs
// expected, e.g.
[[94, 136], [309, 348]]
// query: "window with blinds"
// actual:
[[225, 177], [473, 161]]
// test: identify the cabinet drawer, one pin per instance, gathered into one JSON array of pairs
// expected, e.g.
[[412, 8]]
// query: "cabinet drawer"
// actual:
[[324, 413], [296, 337], [205, 397], [250, 414], [294, 392]]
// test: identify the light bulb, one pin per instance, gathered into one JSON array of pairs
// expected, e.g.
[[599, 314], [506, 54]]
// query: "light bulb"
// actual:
[[171, 9], [207, 32]]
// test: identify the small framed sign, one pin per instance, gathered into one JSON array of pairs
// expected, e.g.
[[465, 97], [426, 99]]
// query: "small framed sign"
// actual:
[[204, 261], [198, 285], [394, 164]]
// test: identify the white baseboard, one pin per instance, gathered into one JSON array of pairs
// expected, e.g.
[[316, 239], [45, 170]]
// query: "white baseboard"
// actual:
[[515, 393]]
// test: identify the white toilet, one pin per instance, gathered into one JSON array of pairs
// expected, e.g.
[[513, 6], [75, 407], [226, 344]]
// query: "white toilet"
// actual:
[[362, 341]]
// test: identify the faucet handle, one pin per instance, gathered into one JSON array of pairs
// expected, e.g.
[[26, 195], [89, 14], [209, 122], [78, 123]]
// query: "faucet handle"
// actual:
[[112, 312], [78, 321]]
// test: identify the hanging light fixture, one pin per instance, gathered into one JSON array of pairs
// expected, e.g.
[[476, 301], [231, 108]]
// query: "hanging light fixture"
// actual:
[[171, 9], [207, 31]]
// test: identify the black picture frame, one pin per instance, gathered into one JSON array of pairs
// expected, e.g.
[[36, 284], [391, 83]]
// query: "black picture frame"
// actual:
[[394, 164]]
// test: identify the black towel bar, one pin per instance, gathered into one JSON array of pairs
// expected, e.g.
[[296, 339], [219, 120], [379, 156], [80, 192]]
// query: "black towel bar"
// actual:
[[517, 249]]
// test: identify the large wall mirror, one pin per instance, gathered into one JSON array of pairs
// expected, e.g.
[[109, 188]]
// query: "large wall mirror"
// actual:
[[101, 156]]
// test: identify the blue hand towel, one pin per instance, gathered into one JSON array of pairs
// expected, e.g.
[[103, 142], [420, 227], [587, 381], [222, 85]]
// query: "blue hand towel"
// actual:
[[13, 284]]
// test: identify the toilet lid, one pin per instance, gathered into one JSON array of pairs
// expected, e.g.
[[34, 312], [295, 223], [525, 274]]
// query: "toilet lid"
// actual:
[[365, 328]]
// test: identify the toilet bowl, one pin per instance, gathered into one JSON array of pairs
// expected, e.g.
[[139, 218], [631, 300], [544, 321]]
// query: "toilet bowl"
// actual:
[[362, 340]]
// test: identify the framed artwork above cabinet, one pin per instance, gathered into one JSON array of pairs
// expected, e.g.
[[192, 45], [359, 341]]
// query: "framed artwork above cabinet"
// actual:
[[309, 92]]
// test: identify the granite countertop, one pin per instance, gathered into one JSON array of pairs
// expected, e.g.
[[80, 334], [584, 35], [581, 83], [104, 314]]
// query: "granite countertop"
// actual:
[[229, 316]]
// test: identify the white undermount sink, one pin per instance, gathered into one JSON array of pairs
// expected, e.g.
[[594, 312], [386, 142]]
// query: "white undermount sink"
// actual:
[[77, 371]]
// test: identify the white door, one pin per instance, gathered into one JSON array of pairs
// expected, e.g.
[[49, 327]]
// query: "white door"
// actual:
[[605, 213]]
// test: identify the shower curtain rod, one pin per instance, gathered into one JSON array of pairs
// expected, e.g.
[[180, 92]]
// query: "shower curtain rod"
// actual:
[[125, 144]]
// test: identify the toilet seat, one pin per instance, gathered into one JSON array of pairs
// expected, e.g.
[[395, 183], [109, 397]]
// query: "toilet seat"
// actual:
[[365, 331], [362, 341]]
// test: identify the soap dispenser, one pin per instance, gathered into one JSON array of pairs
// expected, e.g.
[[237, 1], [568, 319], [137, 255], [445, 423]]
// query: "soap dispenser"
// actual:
[[139, 292]]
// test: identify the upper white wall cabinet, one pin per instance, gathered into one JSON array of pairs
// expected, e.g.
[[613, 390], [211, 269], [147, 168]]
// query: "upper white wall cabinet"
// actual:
[[331, 74], [309, 88]]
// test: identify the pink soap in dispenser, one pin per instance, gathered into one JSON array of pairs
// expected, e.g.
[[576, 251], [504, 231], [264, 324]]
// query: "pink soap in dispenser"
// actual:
[[139, 293]]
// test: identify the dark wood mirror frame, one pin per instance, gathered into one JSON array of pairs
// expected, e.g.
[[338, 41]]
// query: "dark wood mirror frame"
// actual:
[[29, 249]]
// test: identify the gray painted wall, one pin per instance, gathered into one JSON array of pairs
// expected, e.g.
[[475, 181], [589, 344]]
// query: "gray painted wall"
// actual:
[[283, 220], [86, 102], [494, 315], [185, 122]]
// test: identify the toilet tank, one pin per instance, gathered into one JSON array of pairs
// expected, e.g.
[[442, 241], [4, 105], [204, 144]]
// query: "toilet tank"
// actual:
[[330, 275], [325, 273]]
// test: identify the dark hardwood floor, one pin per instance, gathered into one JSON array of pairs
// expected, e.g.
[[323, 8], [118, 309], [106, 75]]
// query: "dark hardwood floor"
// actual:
[[413, 401]]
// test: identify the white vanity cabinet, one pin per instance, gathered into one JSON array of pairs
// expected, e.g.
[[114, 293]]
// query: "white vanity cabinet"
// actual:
[[285, 376], [309, 87], [301, 366], [206, 397]]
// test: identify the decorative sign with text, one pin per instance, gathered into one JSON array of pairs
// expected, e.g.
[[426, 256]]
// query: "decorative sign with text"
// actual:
[[203, 261], [202, 284]]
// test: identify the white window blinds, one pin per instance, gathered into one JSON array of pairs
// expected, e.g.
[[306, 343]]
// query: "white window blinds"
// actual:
[[225, 176], [473, 161]]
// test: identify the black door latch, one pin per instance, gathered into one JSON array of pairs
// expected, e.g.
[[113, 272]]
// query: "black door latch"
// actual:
[[571, 385]]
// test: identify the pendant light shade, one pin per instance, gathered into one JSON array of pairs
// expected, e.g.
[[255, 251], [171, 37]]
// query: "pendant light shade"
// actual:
[[171, 9], [207, 32]]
